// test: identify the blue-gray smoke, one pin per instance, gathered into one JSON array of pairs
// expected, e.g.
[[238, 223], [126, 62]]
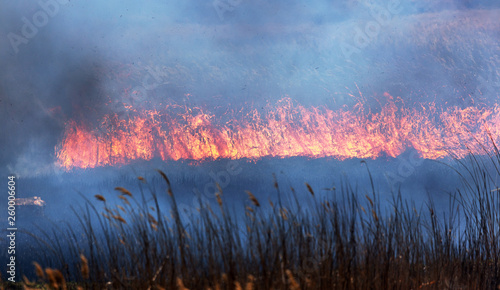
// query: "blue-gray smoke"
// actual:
[[75, 59]]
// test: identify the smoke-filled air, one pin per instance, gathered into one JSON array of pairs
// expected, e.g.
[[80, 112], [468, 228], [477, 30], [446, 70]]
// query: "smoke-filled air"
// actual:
[[230, 144]]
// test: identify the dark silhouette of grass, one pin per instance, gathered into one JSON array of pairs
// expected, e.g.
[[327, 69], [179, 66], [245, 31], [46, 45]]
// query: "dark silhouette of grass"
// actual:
[[343, 241]]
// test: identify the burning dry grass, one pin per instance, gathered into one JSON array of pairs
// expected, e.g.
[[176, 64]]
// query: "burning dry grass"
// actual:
[[343, 242], [286, 129]]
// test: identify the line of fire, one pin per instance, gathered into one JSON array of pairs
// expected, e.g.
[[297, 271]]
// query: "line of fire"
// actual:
[[284, 129]]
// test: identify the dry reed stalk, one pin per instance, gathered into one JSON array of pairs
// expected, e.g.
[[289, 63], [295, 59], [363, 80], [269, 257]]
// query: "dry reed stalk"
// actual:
[[56, 278], [310, 188], [180, 284], [164, 176], [291, 281], [100, 197], [26, 281], [152, 219], [219, 199], [284, 213], [124, 199], [123, 191], [119, 218], [84, 267], [369, 199], [252, 198], [237, 286], [39, 271], [250, 283]]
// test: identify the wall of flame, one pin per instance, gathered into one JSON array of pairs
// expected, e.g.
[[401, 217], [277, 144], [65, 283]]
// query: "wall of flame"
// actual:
[[285, 129]]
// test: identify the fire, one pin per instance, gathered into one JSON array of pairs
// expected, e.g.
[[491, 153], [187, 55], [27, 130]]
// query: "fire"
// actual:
[[283, 130]]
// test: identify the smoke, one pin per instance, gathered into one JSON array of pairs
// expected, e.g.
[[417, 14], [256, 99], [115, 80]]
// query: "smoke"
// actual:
[[76, 60]]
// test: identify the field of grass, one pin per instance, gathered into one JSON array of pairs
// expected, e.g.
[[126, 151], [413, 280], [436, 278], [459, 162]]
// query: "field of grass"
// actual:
[[345, 240]]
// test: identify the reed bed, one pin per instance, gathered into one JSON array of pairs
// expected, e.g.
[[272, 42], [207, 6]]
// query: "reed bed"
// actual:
[[342, 240]]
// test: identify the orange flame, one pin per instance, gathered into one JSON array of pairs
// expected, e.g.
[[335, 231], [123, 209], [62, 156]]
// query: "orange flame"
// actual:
[[286, 130]]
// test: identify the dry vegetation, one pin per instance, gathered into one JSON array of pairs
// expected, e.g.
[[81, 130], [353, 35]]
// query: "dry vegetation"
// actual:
[[346, 240]]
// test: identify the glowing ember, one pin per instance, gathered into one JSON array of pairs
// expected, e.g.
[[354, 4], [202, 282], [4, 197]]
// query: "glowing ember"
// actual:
[[284, 130]]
